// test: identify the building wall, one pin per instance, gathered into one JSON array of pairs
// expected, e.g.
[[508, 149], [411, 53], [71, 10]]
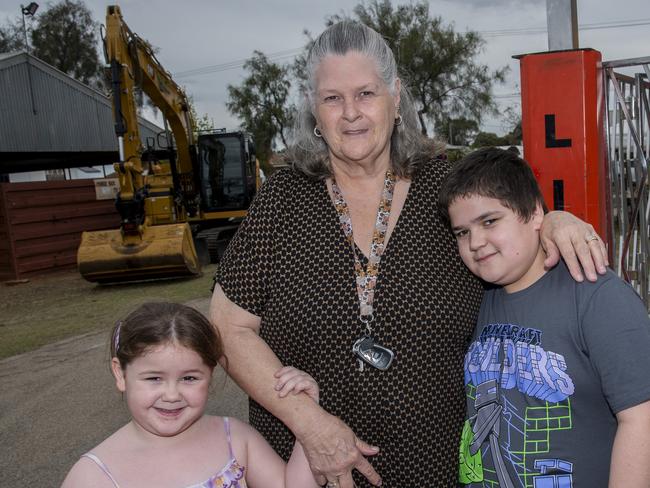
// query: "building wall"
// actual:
[[67, 174], [63, 114], [45, 110]]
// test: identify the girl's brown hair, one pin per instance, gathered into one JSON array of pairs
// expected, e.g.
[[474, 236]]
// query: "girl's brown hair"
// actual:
[[157, 323]]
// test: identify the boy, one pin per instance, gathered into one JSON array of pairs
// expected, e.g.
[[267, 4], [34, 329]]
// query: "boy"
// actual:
[[558, 373]]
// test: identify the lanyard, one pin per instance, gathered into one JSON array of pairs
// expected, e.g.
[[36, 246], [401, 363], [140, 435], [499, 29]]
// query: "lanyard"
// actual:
[[366, 278]]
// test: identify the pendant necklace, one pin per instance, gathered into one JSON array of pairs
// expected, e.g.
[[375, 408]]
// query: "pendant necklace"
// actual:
[[366, 349]]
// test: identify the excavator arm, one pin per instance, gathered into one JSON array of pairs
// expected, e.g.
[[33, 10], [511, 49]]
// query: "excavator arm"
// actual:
[[155, 198], [133, 64]]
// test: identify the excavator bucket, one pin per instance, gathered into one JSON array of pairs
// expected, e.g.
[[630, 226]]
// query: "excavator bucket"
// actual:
[[165, 251]]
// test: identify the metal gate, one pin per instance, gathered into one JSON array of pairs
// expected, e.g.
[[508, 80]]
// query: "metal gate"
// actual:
[[628, 144]]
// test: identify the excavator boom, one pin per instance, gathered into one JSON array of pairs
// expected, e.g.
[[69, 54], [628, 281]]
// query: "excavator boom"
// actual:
[[156, 198]]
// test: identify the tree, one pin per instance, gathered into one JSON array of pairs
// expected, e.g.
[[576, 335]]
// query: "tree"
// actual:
[[200, 123], [516, 135], [484, 139], [458, 132], [440, 64], [12, 36], [262, 103], [66, 38], [512, 117]]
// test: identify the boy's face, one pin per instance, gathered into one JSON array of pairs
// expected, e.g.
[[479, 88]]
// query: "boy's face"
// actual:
[[496, 244]]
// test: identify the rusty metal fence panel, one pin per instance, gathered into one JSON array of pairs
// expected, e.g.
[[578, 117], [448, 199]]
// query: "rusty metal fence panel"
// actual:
[[41, 224], [628, 140], [7, 270]]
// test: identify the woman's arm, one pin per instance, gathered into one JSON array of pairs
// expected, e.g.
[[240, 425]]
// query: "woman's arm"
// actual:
[[630, 466], [564, 234], [331, 447]]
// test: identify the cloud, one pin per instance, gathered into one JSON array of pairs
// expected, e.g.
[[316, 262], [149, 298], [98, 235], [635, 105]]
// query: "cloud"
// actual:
[[489, 4]]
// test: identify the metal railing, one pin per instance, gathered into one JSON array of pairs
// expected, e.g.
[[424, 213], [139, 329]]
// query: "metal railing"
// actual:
[[627, 116]]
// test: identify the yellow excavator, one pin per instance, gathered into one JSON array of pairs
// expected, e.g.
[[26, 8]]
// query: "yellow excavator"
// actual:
[[174, 201]]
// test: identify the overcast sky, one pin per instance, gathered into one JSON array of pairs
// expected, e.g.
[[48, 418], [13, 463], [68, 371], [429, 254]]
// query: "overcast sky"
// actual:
[[194, 34]]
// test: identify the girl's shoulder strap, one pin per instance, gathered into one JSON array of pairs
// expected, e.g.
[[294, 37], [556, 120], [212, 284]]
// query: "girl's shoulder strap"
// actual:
[[101, 465], [226, 425]]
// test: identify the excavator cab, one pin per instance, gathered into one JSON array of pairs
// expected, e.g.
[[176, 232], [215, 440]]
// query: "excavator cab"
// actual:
[[227, 169]]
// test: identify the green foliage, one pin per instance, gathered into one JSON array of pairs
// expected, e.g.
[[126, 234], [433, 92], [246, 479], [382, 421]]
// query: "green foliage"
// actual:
[[458, 132], [456, 154], [66, 37], [512, 117], [516, 135], [439, 64], [199, 123], [486, 139], [262, 103], [512, 138], [12, 37], [203, 123]]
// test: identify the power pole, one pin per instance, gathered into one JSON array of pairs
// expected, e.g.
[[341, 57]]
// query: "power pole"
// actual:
[[562, 21]]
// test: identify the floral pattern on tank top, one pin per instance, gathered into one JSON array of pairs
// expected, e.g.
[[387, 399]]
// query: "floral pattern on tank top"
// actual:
[[231, 476]]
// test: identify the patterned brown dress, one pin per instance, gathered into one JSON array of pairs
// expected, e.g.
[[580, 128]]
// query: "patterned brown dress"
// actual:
[[291, 265]]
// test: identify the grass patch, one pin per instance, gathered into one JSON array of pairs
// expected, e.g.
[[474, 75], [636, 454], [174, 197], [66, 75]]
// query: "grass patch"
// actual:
[[53, 307]]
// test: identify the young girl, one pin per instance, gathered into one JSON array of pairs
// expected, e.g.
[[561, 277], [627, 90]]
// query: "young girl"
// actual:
[[163, 356]]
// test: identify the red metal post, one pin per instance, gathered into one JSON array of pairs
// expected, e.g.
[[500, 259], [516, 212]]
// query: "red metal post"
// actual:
[[562, 104]]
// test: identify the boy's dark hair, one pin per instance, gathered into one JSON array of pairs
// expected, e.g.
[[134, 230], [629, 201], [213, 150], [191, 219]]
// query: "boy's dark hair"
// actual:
[[159, 323], [494, 173]]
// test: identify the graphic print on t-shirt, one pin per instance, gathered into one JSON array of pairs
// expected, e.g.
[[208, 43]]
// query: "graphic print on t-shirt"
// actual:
[[504, 443]]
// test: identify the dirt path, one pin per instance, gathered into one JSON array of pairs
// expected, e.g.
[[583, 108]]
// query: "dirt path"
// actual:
[[59, 401]]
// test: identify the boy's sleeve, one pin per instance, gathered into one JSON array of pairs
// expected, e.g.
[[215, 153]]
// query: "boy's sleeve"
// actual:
[[244, 271], [616, 331]]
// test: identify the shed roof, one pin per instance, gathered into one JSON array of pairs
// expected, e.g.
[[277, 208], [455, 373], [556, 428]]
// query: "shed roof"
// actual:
[[47, 115]]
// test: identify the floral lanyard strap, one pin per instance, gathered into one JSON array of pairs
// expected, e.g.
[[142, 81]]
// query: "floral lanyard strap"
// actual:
[[366, 348]]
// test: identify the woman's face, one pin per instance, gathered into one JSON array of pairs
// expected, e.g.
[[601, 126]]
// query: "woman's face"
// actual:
[[354, 109]]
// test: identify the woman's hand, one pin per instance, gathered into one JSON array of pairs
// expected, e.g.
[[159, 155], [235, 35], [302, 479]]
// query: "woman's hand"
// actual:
[[294, 380], [333, 451], [563, 233]]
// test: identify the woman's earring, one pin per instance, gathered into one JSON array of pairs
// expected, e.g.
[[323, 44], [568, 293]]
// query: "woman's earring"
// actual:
[[317, 132], [398, 120]]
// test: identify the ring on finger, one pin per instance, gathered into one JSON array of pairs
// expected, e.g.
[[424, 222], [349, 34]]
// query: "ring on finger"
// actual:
[[591, 237], [332, 484]]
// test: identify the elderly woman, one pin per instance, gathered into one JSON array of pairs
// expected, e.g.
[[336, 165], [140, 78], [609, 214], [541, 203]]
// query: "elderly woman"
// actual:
[[343, 269]]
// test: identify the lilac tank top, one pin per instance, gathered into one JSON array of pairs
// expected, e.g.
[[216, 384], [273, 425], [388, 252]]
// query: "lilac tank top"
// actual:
[[230, 476]]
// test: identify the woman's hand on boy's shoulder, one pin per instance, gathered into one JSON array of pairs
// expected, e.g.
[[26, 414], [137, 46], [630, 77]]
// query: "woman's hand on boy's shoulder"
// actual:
[[577, 242], [294, 380]]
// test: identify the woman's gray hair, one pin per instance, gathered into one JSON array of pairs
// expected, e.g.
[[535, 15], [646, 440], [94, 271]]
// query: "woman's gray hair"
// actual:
[[308, 153]]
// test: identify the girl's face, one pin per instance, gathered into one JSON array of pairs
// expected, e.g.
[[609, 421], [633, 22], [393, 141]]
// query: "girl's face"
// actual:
[[166, 388]]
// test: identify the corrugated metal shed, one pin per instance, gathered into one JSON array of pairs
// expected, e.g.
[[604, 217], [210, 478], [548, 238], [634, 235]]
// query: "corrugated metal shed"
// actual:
[[44, 111]]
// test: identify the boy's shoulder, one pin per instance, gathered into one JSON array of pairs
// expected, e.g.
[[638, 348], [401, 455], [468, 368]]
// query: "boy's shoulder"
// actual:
[[557, 287], [597, 305], [608, 289]]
